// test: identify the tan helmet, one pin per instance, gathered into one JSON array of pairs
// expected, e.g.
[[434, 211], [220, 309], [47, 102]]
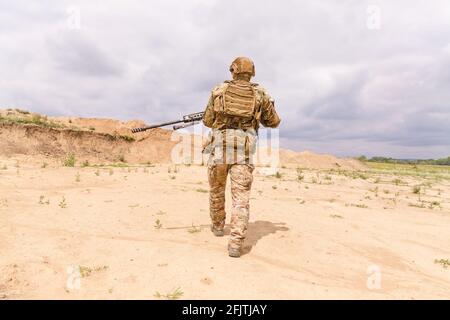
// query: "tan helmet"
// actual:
[[242, 65]]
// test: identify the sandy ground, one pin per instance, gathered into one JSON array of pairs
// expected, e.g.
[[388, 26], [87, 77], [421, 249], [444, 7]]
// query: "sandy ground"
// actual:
[[142, 233]]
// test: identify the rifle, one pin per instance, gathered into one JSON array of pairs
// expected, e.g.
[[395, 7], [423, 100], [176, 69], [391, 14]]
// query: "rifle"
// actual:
[[188, 120]]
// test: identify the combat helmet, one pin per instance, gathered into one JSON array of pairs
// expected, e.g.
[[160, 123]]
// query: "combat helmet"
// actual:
[[242, 65]]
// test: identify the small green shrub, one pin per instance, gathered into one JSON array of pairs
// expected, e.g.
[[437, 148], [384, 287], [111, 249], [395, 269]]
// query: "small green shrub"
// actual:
[[70, 160], [158, 224]]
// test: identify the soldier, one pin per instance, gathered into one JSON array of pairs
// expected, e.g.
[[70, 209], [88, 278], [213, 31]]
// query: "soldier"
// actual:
[[234, 112]]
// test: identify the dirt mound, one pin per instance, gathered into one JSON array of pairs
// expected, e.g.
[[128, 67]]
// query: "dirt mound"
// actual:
[[108, 140], [310, 160], [95, 140], [31, 139], [110, 126]]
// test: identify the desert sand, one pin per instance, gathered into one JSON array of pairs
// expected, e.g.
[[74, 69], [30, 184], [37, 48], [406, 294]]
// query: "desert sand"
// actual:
[[124, 230]]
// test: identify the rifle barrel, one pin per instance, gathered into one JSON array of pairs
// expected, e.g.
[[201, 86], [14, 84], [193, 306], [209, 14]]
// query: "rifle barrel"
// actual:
[[186, 119], [155, 126]]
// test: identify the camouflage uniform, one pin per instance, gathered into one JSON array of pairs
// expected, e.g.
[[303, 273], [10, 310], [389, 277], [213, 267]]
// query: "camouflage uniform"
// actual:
[[234, 112]]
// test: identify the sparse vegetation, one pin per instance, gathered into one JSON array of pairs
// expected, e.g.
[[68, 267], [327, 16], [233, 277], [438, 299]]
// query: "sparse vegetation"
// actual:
[[415, 162], [361, 205], [375, 191], [174, 169], [87, 271], [434, 204], [43, 201], [158, 224], [445, 263], [175, 294], [28, 118], [426, 172], [194, 229], [44, 165], [22, 111], [128, 138], [63, 204], [201, 190], [85, 163], [361, 175], [69, 161], [362, 158]]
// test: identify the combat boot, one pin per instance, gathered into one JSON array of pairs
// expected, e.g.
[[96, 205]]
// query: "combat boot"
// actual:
[[234, 252], [217, 232]]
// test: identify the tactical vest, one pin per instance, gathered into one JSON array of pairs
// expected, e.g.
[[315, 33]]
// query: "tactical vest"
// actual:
[[237, 106]]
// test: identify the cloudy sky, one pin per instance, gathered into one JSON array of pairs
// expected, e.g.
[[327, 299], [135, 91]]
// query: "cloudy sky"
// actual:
[[349, 77]]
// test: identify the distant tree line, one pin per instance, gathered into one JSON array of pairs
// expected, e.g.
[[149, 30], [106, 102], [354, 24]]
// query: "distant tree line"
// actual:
[[442, 162]]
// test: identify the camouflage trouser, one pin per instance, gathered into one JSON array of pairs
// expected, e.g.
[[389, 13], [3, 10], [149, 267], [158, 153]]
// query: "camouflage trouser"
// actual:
[[241, 182]]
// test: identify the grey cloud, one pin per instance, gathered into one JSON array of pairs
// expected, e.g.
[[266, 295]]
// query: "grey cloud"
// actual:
[[75, 52], [339, 87]]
